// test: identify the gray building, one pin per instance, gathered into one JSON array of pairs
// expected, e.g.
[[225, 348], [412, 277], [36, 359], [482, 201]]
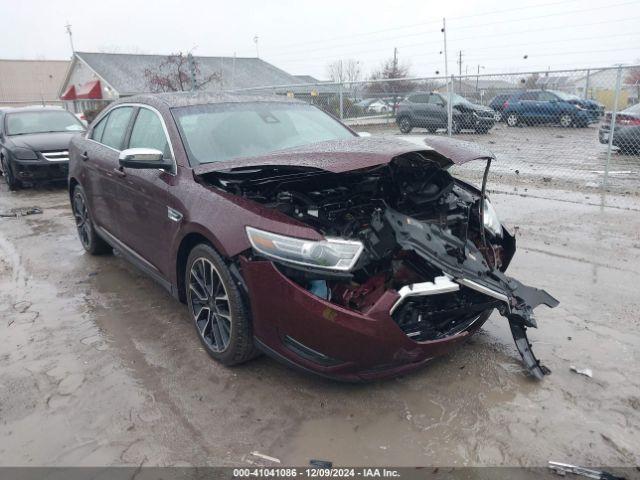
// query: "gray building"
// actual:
[[94, 79]]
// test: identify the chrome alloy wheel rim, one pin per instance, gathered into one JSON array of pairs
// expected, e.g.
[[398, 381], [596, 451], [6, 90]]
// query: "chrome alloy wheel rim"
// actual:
[[209, 304]]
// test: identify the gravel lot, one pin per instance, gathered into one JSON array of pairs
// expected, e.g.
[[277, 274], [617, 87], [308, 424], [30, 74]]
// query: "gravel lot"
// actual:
[[560, 157], [99, 366]]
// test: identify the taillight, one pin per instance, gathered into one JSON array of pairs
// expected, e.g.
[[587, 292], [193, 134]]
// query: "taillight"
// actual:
[[625, 120], [505, 105]]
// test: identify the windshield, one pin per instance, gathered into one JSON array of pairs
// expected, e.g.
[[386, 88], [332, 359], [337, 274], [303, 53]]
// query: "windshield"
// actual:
[[633, 109], [23, 123], [566, 96], [458, 100], [218, 132]]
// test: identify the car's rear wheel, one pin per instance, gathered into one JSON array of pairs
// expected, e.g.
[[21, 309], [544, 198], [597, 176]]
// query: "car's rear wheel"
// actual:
[[512, 119], [12, 182], [455, 126], [91, 241], [566, 120], [405, 125], [218, 310]]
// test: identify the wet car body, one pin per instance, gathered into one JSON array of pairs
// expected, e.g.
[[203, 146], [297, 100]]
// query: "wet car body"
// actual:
[[429, 110], [34, 157], [425, 276], [626, 132]]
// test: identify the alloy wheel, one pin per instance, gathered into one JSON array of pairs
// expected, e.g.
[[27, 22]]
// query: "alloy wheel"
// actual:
[[512, 120], [405, 125], [83, 223], [566, 120], [209, 305]]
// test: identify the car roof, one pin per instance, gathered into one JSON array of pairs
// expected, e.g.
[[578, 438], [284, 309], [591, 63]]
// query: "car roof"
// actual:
[[185, 99]]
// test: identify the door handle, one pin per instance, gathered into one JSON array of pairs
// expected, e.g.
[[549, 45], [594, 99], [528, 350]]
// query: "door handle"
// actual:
[[120, 173], [84, 156]]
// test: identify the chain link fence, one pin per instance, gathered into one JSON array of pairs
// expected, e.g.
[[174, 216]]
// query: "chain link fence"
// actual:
[[565, 128]]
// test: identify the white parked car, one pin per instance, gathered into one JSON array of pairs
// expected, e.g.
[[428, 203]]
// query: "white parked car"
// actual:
[[379, 106]]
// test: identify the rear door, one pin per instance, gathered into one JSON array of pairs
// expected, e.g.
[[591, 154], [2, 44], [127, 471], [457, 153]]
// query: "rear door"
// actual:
[[142, 196], [419, 106], [100, 156], [437, 110], [550, 107], [528, 107]]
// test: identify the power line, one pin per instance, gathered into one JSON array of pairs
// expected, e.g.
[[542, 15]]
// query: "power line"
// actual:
[[287, 48]]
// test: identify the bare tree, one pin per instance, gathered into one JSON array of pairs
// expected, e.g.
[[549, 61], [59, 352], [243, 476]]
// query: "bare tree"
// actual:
[[344, 70], [396, 87], [173, 74]]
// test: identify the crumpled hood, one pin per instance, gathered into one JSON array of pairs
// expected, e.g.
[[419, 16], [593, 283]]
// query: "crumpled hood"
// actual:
[[43, 141], [339, 156]]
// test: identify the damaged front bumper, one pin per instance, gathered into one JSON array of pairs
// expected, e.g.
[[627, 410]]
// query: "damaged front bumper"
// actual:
[[465, 265]]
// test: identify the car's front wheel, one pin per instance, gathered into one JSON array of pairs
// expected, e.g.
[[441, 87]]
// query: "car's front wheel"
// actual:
[[512, 119], [12, 182], [91, 241], [566, 120], [217, 308], [497, 116], [405, 125]]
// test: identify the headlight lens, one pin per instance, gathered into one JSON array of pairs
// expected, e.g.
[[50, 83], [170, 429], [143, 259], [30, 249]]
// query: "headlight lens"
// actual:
[[24, 154], [491, 220], [332, 253]]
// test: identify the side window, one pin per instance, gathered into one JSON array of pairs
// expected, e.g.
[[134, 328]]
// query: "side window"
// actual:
[[419, 98], [148, 132], [116, 127], [96, 134], [546, 97], [528, 96], [436, 99]]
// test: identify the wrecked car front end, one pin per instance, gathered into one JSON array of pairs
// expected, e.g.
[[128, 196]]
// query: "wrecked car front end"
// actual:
[[410, 264]]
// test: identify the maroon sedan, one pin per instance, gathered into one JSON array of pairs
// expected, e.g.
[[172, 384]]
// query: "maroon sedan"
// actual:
[[285, 232]]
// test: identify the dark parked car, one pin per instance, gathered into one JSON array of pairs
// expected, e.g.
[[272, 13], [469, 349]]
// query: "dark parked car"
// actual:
[[535, 107], [497, 103], [34, 144], [285, 232], [429, 110], [626, 132]]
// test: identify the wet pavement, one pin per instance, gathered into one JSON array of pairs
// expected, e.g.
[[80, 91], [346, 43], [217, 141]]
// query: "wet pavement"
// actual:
[[99, 366]]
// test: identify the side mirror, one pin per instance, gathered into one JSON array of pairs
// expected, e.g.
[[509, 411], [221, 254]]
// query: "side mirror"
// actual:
[[144, 158], [363, 134]]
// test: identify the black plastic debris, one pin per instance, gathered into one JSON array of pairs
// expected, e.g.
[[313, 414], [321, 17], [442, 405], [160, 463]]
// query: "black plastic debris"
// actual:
[[21, 212], [320, 463]]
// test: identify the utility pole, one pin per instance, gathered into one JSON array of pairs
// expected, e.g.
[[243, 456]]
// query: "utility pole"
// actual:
[[192, 71], [446, 75], [460, 69], [68, 27], [395, 60], [255, 40]]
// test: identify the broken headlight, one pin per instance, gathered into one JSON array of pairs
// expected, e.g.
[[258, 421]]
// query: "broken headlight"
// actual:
[[332, 253], [491, 220]]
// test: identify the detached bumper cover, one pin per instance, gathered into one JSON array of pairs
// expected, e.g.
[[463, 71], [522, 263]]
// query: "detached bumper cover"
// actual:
[[465, 264]]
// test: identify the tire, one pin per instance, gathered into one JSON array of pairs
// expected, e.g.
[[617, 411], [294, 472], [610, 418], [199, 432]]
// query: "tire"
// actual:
[[432, 130], [497, 117], [383, 110], [512, 120], [90, 240], [405, 125], [566, 120], [218, 310], [12, 182], [455, 126]]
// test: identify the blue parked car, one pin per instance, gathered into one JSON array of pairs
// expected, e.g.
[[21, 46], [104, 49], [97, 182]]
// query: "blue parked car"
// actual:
[[534, 107]]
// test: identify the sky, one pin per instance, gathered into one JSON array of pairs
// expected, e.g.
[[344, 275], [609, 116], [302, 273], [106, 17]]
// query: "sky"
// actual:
[[302, 37]]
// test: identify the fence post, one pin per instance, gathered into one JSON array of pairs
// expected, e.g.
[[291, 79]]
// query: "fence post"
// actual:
[[586, 84], [341, 101], [450, 105], [612, 126]]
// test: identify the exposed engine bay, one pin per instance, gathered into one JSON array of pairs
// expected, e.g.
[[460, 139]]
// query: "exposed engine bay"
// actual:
[[426, 235]]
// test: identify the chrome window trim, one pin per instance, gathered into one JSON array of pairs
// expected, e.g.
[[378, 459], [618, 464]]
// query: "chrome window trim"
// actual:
[[107, 111]]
